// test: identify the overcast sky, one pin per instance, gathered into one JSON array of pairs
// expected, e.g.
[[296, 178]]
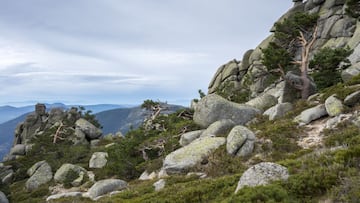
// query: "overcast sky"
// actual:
[[123, 51]]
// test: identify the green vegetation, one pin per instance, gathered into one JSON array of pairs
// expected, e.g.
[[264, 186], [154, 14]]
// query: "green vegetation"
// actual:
[[148, 104], [353, 8], [327, 65], [228, 91], [278, 56]]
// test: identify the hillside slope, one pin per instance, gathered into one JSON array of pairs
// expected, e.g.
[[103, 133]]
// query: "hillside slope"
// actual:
[[250, 139]]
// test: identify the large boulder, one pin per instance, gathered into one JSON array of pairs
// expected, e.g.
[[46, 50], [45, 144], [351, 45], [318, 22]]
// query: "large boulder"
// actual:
[[240, 141], [180, 160], [218, 128], [88, 128], [103, 187], [69, 173], [40, 174], [311, 114], [188, 137], [98, 160], [64, 195], [263, 102], [350, 72], [19, 149], [3, 198], [227, 73], [290, 93], [334, 106], [212, 108], [6, 174], [352, 99], [278, 110], [262, 174]]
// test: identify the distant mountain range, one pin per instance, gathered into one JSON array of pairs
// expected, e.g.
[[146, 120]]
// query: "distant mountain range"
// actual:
[[112, 117], [8, 113], [123, 119]]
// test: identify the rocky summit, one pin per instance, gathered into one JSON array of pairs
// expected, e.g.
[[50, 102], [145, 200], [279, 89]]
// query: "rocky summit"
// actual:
[[281, 124]]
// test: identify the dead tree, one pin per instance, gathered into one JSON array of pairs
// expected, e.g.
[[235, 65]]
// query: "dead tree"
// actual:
[[305, 60], [58, 132]]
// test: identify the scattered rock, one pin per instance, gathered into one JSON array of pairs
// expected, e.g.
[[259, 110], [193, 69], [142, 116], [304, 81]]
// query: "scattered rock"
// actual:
[[159, 185], [333, 122], [182, 159], [311, 114], [218, 128], [89, 129], [240, 141], [162, 173], [212, 108], [8, 178], [278, 110], [352, 99], [40, 173], [350, 72], [199, 174], [144, 176], [188, 137], [98, 160], [3, 198], [66, 171], [64, 195], [103, 187], [263, 102], [334, 106], [6, 174], [262, 174], [290, 94]]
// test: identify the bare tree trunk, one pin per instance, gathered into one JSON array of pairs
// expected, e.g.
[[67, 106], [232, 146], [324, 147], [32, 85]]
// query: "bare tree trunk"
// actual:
[[57, 134], [304, 63]]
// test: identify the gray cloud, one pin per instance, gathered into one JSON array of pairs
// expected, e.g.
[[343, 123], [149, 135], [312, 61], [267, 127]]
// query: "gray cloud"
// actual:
[[118, 51]]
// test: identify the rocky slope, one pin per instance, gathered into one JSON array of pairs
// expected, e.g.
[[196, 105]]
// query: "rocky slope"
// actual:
[[272, 147]]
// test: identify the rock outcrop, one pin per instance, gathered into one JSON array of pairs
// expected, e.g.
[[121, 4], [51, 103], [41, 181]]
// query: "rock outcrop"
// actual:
[[311, 114], [335, 30], [334, 106], [263, 102], [219, 128], [103, 187], [278, 110], [3, 198], [240, 141], [352, 99], [91, 132], [98, 160], [213, 108], [262, 174], [188, 137], [40, 173], [69, 173], [181, 160]]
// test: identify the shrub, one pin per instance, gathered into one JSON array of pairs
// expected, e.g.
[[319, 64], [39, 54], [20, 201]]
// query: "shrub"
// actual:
[[353, 8], [268, 193], [327, 65]]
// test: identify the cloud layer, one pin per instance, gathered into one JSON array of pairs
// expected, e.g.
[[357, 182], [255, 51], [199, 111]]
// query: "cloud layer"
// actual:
[[113, 51]]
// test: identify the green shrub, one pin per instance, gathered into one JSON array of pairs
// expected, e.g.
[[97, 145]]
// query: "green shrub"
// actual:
[[269, 193], [327, 65], [353, 8], [345, 133], [228, 91], [283, 134]]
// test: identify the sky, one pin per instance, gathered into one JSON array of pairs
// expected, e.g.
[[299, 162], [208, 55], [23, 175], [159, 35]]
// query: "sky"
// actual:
[[123, 51]]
